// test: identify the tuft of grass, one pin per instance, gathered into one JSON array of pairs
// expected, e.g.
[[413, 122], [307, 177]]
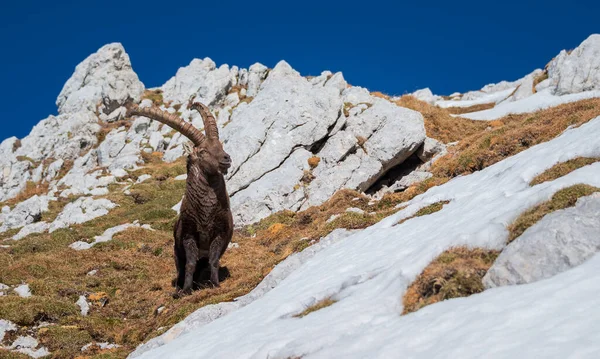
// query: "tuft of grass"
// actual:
[[432, 208], [474, 108], [28, 311], [68, 340], [25, 158], [566, 197], [317, 306], [457, 272], [313, 162], [562, 169], [539, 79], [155, 96], [4, 353]]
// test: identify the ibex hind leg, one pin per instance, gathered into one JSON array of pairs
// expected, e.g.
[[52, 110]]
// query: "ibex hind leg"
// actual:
[[179, 256], [213, 259]]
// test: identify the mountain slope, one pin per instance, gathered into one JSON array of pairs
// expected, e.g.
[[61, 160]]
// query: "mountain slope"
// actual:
[[342, 198]]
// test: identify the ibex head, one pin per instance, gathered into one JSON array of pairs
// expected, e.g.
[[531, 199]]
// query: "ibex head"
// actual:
[[207, 154]]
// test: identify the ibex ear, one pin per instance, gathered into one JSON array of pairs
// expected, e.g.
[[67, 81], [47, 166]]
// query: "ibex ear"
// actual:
[[188, 148]]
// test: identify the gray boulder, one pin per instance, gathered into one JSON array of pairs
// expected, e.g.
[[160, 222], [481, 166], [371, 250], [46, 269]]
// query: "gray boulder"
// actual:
[[559, 241]]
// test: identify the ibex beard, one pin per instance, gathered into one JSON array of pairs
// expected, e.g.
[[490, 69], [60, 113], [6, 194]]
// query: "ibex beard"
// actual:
[[205, 224]]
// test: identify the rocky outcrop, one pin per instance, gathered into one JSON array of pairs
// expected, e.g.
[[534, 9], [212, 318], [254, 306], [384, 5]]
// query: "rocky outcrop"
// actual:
[[578, 70], [202, 79], [82, 210], [24, 213], [559, 241], [292, 119], [104, 81]]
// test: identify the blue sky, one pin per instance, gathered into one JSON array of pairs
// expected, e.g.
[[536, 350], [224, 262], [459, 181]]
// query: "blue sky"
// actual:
[[392, 47]]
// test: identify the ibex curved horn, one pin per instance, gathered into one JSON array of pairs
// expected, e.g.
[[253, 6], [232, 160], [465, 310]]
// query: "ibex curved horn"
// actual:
[[210, 124], [168, 119]]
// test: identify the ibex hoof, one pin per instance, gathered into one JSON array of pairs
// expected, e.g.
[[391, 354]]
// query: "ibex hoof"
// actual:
[[181, 293]]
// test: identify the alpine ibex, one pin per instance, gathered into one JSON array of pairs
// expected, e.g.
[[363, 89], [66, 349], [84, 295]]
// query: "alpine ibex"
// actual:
[[205, 225]]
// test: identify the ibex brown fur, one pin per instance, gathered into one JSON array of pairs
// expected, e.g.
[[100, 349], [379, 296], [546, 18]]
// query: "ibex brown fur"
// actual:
[[205, 225]]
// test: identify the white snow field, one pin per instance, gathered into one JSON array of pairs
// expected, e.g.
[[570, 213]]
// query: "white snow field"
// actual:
[[538, 101], [368, 273]]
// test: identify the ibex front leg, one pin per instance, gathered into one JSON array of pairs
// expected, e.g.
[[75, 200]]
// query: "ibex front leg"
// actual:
[[191, 259], [216, 249]]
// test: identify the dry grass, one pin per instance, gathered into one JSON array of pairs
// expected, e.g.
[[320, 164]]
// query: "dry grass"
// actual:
[[455, 273], [155, 96], [518, 133], [539, 79], [562, 169], [474, 108], [317, 306], [566, 197], [313, 162], [432, 208], [390, 200], [438, 122]]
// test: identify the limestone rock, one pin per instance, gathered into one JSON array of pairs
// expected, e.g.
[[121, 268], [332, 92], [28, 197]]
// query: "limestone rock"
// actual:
[[202, 79], [24, 213], [578, 70], [23, 291], [105, 78], [64, 136], [83, 305], [6, 326], [82, 210], [559, 241], [256, 75], [431, 147], [426, 95], [287, 113], [38, 227]]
